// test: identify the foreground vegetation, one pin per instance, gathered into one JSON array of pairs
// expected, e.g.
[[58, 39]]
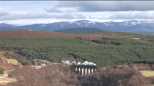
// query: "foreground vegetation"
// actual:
[[115, 48]]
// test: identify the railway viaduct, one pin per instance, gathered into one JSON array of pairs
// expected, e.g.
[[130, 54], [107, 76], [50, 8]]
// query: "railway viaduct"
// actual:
[[85, 69]]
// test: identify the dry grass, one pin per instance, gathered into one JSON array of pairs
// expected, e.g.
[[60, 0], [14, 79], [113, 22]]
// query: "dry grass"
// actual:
[[12, 61], [6, 80], [147, 73], [6, 59]]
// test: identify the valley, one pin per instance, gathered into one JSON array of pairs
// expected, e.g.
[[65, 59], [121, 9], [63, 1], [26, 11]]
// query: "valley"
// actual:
[[118, 56], [105, 49], [76, 43]]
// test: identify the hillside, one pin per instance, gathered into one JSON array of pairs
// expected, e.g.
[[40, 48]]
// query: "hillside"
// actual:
[[112, 52], [104, 48], [62, 75], [80, 30], [33, 34]]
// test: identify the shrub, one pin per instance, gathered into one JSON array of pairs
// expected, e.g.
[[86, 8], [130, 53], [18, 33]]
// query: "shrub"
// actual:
[[1, 70]]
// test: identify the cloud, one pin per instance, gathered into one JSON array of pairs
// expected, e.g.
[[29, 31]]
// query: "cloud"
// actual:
[[62, 9], [16, 16], [31, 21], [21, 18], [93, 6], [37, 12], [3, 14]]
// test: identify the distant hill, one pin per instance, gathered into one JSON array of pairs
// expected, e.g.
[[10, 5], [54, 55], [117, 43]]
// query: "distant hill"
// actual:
[[85, 26], [80, 30], [7, 27]]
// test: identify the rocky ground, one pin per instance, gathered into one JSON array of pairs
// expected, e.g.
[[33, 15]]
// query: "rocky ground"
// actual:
[[62, 75], [57, 74]]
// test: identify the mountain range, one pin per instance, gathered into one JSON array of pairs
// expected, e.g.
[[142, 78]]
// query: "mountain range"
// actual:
[[84, 26]]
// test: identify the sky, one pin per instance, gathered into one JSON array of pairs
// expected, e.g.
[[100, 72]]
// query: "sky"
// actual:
[[34, 12]]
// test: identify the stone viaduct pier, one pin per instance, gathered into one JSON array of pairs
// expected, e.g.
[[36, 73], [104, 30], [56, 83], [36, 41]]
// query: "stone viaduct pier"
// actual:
[[85, 69]]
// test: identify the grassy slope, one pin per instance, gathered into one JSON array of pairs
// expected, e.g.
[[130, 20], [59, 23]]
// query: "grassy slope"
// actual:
[[113, 48]]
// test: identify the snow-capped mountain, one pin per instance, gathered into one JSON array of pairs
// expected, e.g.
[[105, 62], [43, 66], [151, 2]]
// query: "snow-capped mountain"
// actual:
[[86, 25]]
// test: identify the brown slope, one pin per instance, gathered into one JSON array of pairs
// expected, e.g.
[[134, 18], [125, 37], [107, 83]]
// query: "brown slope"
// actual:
[[41, 34], [34, 34], [31, 34]]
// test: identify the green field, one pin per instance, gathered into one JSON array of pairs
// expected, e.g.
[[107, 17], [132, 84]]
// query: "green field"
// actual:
[[104, 51]]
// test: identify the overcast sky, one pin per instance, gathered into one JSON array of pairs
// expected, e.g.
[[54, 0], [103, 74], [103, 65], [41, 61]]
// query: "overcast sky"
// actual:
[[30, 12]]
